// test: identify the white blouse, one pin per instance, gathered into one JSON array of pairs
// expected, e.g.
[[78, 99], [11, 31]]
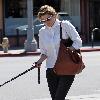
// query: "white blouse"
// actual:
[[49, 40]]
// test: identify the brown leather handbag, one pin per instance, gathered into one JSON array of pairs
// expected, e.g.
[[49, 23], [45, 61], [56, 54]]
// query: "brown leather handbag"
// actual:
[[68, 62]]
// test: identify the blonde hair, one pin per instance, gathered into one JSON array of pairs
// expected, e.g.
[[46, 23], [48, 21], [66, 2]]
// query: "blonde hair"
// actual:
[[46, 9]]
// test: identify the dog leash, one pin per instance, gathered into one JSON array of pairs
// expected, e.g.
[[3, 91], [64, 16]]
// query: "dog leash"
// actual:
[[23, 74]]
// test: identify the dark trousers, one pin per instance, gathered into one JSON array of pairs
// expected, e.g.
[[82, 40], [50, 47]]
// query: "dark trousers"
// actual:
[[59, 85]]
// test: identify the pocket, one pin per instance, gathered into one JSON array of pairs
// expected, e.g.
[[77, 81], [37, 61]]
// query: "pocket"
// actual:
[[50, 73]]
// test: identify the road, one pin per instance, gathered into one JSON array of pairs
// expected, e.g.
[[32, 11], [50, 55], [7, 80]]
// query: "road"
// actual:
[[26, 87]]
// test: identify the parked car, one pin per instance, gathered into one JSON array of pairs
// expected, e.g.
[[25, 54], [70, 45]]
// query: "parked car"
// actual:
[[23, 29], [64, 16], [38, 25]]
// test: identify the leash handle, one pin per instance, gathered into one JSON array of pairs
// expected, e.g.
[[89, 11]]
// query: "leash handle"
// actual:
[[38, 75], [38, 71]]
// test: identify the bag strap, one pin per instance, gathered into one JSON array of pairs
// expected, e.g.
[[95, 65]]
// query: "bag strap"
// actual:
[[60, 31], [67, 42]]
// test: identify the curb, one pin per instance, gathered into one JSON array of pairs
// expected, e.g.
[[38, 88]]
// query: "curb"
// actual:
[[88, 49], [15, 53], [20, 54]]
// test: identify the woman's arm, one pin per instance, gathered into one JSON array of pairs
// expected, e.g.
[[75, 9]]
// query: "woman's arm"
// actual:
[[39, 62], [74, 36]]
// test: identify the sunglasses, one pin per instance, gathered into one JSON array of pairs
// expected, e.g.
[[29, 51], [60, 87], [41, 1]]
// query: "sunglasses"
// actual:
[[48, 19]]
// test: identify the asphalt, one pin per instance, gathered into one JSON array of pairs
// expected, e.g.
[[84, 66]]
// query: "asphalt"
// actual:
[[81, 97], [18, 52]]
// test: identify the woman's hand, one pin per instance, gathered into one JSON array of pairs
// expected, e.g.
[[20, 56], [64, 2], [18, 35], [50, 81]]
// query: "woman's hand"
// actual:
[[39, 62]]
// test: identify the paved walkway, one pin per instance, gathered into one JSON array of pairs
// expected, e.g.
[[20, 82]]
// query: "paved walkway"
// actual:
[[21, 52]]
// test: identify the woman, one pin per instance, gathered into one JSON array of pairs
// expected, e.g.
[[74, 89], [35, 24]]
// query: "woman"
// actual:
[[49, 42]]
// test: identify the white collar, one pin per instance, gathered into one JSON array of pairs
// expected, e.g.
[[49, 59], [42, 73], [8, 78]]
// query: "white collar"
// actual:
[[57, 22]]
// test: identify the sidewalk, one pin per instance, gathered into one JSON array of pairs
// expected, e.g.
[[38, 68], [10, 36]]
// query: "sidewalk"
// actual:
[[18, 52], [14, 52]]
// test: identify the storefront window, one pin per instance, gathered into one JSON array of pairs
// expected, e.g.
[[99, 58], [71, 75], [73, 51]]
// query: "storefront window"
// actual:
[[18, 8], [39, 3], [15, 8], [16, 13]]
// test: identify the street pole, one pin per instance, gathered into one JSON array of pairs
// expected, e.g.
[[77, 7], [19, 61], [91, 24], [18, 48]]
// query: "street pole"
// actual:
[[30, 44], [92, 38], [92, 35]]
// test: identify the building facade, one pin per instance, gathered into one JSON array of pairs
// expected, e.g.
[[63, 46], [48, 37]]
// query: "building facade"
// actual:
[[1, 19], [85, 16]]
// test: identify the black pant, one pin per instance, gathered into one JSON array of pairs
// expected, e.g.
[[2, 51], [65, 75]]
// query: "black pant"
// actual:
[[58, 85]]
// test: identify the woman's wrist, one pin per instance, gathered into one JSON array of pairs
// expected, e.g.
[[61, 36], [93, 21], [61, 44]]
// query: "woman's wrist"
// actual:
[[42, 58]]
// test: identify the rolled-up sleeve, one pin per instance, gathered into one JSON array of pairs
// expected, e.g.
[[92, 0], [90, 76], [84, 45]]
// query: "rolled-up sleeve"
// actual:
[[41, 44], [73, 34]]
